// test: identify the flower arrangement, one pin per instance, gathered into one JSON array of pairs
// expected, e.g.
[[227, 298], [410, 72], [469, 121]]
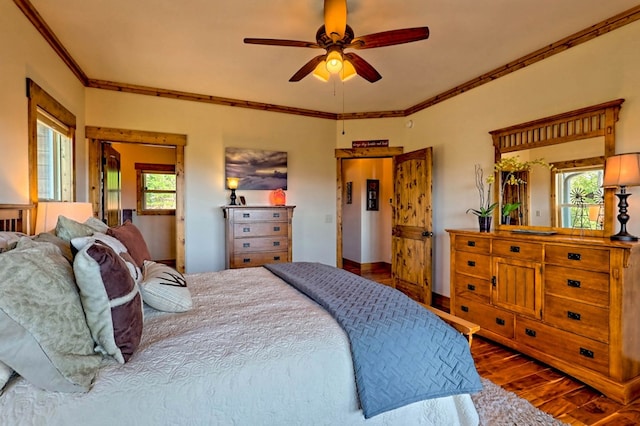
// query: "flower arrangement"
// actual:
[[486, 206]]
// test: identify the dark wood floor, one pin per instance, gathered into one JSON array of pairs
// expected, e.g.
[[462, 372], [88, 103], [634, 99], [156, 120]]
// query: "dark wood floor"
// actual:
[[565, 398]]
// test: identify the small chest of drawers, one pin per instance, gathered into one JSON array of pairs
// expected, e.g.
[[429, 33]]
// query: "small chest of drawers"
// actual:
[[256, 235]]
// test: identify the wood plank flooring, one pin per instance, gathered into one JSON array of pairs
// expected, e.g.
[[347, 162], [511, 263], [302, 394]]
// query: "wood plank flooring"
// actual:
[[548, 389]]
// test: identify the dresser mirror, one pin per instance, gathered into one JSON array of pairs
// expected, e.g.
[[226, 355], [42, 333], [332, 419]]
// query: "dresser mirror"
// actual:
[[566, 198]]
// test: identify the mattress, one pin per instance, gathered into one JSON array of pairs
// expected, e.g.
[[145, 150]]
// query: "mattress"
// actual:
[[252, 351]]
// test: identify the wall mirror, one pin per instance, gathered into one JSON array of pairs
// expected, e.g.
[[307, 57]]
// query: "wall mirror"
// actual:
[[567, 198]]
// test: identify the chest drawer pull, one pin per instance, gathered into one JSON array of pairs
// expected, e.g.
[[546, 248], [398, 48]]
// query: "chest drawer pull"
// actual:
[[276, 228], [464, 308], [471, 263], [471, 243], [246, 260], [529, 332], [276, 243], [514, 249], [573, 283], [499, 321], [471, 287], [246, 229], [276, 257], [586, 353], [276, 215], [574, 256], [246, 245], [573, 315], [246, 215]]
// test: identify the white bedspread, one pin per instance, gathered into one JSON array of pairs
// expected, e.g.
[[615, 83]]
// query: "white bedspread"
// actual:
[[253, 351]]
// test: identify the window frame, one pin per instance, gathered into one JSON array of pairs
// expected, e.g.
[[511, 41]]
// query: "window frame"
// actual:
[[39, 99], [143, 168]]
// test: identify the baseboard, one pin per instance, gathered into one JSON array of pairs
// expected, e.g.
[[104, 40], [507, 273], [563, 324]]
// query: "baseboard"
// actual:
[[366, 267], [441, 302]]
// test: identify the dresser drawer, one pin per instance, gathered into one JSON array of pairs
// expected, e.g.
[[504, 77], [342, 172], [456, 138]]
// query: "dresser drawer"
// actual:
[[473, 287], [473, 244], [577, 317], [248, 245], [518, 250], [578, 257], [487, 317], [260, 229], [567, 346], [246, 260], [257, 215], [590, 287], [478, 265]]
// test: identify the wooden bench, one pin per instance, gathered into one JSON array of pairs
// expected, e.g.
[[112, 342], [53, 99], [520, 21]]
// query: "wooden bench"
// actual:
[[467, 328]]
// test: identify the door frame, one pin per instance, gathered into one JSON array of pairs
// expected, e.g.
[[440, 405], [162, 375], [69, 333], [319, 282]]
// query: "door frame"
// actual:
[[346, 154], [96, 135]]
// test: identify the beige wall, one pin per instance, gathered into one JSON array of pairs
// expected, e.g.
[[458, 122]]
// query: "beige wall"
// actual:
[[309, 142], [601, 70]]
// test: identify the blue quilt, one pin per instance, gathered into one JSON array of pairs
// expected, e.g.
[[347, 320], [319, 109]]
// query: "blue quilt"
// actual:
[[402, 353]]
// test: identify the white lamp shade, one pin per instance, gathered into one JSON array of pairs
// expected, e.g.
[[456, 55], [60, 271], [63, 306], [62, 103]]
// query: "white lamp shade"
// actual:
[[622, 170], [48, 212]]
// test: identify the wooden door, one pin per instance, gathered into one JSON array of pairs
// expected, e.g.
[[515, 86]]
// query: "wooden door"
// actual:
[[111, 185], [411, 259]]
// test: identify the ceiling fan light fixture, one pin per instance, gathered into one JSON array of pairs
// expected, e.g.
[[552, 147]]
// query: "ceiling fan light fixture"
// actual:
[[321, 72], [348, 71], [334, 61]]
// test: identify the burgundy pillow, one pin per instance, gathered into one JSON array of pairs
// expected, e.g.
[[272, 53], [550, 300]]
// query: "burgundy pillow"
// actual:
[[129, 235]]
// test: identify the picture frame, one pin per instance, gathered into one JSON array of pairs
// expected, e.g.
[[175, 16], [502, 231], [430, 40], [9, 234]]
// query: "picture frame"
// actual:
[[373, 193], [349, 193], [243, 201]]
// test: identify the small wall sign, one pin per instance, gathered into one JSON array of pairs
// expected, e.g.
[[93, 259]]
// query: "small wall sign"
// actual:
[[369, 144]]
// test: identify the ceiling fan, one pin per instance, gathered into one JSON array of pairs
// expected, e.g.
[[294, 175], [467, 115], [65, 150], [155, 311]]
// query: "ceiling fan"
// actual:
[[335, 36]]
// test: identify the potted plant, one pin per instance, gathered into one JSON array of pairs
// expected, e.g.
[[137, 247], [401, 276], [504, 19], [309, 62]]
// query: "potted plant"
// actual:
[[485, 211]]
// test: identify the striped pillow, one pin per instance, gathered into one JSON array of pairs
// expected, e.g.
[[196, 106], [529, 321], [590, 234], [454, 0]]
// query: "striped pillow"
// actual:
[[111, 300]]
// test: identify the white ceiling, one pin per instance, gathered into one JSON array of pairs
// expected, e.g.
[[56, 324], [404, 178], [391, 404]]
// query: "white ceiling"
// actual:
[[197, 45]]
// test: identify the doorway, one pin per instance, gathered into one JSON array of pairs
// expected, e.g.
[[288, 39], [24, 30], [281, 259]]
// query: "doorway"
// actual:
[[96, 135]]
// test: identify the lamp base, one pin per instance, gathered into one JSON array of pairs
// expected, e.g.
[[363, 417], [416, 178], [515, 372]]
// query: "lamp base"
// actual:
[[233, 198], [620, 236], [623, 218]]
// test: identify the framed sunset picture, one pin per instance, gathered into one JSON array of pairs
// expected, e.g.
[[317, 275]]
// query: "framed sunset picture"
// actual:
[[256, 169]]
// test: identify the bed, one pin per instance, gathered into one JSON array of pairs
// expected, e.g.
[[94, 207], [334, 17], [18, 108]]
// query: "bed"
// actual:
[[250, 350]]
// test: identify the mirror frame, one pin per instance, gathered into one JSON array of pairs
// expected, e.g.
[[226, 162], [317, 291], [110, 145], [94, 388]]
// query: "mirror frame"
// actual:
[[584, 123]]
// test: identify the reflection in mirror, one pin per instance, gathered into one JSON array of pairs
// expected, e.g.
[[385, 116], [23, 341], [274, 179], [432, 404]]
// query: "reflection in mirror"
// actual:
[[543, 202]]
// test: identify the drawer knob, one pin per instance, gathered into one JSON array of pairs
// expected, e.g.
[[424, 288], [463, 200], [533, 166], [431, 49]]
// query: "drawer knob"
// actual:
[[246, 260], [529, 332], [586, 353], [573, 283], [276, 215], [276, 228], [246, 245], [573, 256], [246, 229], [464, 308], [514, 249], [471, 263], [471, 243], [245, 215], [573, 315], [276, 243], [276, 257], [471, 287], [500, 321]]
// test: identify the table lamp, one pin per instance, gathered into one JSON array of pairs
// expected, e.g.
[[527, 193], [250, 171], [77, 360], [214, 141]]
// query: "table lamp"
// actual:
[[621, 171], [232, 184]]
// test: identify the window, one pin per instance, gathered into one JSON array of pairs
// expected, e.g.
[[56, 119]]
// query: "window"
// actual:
[[51, 148], [156, 189], [580, 197]]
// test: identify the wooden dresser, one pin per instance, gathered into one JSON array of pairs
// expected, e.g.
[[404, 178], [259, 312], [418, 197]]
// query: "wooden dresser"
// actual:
[[256, 235], [571, 302]]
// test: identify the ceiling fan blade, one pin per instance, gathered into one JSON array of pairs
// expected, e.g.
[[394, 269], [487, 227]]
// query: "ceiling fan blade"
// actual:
[[335, 18], [363, 68], [307, 68], [278, 42], [390, 38]]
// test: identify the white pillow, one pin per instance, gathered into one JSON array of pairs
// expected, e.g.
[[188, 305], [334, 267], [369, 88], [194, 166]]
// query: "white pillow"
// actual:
[[164, 288], [80, 242]]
